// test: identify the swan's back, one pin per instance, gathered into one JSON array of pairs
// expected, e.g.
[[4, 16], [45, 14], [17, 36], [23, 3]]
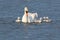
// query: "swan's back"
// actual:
[[33, 16]]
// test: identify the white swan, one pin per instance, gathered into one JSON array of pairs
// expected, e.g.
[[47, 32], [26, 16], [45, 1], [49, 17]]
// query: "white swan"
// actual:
[[28, 17]]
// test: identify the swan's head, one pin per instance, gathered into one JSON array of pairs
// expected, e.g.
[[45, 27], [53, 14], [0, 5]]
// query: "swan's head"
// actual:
[[26, 11]]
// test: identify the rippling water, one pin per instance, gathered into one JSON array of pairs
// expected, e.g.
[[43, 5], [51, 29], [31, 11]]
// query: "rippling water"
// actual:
[[11, 9]]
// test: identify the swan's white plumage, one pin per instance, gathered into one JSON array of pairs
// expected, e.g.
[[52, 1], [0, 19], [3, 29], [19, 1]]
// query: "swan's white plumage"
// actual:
[[31, 16]]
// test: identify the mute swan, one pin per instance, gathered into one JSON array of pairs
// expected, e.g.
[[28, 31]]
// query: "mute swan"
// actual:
[[28, 17], [18, 20]]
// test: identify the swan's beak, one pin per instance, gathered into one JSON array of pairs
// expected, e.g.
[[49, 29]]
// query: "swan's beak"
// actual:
[[26, 13]]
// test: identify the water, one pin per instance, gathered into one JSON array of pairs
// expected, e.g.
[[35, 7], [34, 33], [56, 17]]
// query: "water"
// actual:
[[11, 9]]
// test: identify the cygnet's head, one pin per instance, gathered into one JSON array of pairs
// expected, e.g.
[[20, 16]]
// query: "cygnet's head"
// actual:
[[18, 18], [47, 18]]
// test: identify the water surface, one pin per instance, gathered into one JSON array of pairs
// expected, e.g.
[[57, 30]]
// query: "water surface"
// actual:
[[11, 9]]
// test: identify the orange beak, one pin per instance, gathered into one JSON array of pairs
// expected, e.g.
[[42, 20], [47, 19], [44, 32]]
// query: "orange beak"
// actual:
[[26, 13]]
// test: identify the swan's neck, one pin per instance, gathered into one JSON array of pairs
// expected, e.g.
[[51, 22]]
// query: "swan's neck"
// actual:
[[25, 10], [26, 13]]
